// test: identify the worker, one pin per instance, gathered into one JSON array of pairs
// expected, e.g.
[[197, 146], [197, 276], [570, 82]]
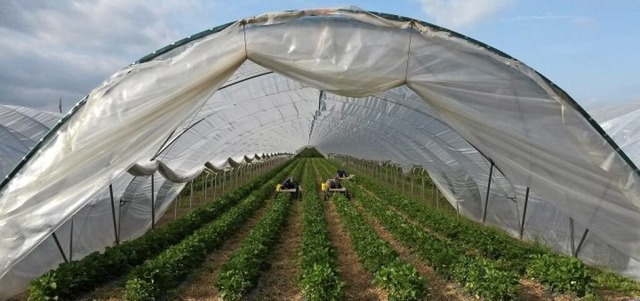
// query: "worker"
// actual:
[[289, 183], [333, 183], [342, 173]]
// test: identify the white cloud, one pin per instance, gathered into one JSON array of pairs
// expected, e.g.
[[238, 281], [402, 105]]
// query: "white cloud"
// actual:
[[461, 13], [63, 49]]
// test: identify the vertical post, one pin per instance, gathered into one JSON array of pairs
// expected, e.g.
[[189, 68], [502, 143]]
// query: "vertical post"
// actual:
[[71, 241], [573, 243], [524, 212], [55, 238], [224, 180], [175, 207], [402, 179], [205, 187], [422, 177], [433, 190], [211, 186], [215, 180], [395, 178], [191, 196], [153, 203], [113, 215], [584, 235], [486, 202], [411, 177]]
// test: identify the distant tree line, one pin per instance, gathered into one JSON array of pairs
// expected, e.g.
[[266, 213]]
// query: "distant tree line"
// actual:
[[309, 152]]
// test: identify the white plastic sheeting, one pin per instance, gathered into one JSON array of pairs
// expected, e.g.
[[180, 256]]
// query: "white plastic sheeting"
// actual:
[[349, 82], [20, 129], [93, 227]]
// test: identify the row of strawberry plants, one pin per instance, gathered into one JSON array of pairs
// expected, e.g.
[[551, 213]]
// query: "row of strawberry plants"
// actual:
[[72, 279], [320, 280], [559, 273], [241, 273], [479, 276], [165, 271], [399, 279]]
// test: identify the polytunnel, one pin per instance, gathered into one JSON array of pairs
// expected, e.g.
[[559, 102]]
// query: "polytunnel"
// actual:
[[502, 143]]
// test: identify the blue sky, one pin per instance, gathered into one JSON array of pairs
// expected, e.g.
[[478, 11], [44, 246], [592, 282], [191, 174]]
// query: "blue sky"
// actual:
[[63, 49]]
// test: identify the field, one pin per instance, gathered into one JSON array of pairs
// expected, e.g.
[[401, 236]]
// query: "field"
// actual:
[[390, 241]]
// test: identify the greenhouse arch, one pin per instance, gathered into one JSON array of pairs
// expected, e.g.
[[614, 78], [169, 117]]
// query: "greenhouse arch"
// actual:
[[492, 133]]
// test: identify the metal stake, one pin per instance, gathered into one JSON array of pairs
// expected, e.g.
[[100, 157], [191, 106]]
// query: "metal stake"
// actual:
[[524, 212], [191, 197], [584, 235], [573, 246], [486, 202], [55, 238], [153, 203], [113, 214], [71, 241]]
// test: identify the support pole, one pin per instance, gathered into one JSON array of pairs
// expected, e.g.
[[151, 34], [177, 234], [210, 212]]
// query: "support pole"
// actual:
[[205, 188], [113, 215], [175, 207], [486, 202], [584, 236], [402, 179], [524, 212], [437, 196], [71, 241], [55, 238], [153, 202], [433, 191], [573, 242], [422, 177], [191, 197], [412, 170]]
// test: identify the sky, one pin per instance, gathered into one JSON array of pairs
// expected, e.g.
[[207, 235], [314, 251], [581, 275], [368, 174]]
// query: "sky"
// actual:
[[51, 50]]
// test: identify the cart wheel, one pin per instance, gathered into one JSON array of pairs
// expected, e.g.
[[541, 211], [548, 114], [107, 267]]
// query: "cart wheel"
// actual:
[[326, 195]]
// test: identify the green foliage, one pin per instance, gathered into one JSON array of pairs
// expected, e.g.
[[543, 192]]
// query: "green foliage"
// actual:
[[241, 272], [47, 288], [508, 254], [478, 276], [399, 279], [140, 289], [309, 152], [76, 277], [319, 279], [167, 270], [608, 280], [560, 274]]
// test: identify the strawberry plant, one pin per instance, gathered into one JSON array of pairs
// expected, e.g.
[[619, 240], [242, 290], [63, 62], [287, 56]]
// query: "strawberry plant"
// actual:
[[319, 279], [491, 243], [552, 270], [77, 277], [399, 279], [166, 271], [241, 272]]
